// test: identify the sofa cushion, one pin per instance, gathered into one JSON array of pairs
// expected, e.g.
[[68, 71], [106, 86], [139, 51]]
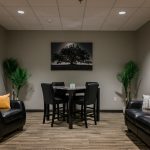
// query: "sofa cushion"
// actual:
[[132, 114], [5, 101], [10, 115], [144, 123], [146, 102]]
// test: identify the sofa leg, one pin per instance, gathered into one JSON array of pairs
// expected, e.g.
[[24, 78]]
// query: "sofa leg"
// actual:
[[1, 138], [129, 130], [20, 129]]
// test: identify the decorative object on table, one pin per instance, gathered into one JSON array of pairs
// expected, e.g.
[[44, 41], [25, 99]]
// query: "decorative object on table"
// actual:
[[72, 85], [17, 76], [71, 56], [128, 78]]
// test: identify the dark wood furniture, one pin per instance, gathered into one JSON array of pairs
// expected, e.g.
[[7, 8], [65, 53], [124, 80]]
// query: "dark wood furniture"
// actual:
[[88, 101], [71, 93], [60, 94], [138, 121], [13, 118], [50, 99]]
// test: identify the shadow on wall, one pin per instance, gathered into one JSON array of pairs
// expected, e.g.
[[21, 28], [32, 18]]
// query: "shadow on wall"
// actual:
[[2, 92], [2, 84], [122, 96], [26, 92]]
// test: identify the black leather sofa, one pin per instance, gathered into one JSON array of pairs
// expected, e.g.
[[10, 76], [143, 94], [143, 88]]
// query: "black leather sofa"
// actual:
[[138, 121], [12, 119]]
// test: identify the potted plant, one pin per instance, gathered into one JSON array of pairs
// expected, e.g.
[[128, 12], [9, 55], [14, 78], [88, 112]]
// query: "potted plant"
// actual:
[[17, 76], [126, 77], [9, 66], [19, 79]]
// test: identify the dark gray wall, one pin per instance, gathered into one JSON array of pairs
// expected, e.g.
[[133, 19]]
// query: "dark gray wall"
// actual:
[[143, 48], [2, 50], [110, 51]]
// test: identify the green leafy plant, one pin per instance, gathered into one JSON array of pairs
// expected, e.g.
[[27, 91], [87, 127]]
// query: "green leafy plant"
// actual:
[[19, 79], [126, 76], [10, 65], [17, 76]]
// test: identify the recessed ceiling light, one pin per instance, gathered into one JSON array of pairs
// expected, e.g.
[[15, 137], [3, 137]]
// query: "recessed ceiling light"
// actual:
[[21, 12], [122, 12]]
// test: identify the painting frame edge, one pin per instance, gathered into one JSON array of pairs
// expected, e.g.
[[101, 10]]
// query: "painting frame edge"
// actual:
[[87, 65]]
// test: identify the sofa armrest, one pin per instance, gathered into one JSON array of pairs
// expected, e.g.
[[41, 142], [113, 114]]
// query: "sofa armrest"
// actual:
[[13, 118], [17, 104], [135, 104]]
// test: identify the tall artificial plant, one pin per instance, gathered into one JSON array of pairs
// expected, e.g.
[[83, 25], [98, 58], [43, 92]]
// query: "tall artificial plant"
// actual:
[[126, 77], [19, 79], [9, 66], [17, 76]]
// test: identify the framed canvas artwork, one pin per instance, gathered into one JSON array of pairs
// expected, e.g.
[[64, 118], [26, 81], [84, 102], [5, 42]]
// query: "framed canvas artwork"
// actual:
[[71, 55]]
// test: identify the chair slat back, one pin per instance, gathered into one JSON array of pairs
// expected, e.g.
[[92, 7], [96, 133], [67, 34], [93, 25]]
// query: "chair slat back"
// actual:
[[91, 93], [58, 93], [91, 82], [47, 93], [58, 84]]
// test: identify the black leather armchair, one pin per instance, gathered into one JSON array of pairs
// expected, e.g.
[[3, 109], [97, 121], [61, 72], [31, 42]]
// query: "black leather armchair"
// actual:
[[13, 118], [138, 121]]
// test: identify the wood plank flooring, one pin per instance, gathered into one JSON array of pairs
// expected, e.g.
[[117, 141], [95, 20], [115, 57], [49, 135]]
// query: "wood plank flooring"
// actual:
[[109, 134]]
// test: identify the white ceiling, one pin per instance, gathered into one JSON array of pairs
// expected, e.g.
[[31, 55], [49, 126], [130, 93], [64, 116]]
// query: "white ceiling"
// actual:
[[99, 15]]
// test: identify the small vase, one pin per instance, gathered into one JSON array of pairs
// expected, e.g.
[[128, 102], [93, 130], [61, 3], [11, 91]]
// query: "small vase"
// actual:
[[124, 108], [13, 94]]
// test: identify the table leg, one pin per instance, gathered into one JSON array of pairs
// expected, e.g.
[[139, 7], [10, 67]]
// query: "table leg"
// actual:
[[98, 105], [70, 109]]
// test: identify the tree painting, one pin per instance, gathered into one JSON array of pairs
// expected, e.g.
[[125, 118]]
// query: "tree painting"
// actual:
[[71, 56]]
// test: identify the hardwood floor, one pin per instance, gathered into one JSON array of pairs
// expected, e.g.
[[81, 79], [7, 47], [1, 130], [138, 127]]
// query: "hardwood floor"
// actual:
[[109, 134]]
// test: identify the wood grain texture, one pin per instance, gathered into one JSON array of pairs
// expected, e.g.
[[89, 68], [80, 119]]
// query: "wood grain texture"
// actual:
[[109, 134]]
